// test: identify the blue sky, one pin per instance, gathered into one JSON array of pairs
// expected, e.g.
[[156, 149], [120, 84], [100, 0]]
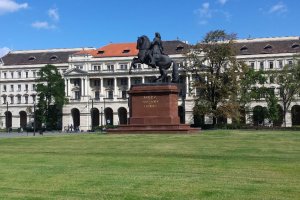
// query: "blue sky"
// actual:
[[42, 24]]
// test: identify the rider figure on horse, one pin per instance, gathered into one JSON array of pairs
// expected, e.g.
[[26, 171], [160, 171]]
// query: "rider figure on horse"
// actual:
[[156, 49]]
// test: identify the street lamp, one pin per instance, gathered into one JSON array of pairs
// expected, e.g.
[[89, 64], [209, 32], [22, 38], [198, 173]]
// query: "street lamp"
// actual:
[[6, 117], [92, 110], [34, 118], [101, 118]]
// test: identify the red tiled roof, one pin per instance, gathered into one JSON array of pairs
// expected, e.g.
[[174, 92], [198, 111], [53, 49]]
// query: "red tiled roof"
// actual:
[[117, 50], [113, 50]]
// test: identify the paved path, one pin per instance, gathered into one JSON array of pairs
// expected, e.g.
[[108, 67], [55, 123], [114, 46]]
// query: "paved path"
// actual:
[[30, 134]]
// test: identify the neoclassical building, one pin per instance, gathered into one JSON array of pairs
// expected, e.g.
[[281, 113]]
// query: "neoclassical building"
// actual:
[[97, 80]]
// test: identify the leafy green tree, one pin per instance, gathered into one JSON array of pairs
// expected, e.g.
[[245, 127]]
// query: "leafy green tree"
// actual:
[[248, 91], [216, 70], [288, 80], [272, 102], [51, 97]]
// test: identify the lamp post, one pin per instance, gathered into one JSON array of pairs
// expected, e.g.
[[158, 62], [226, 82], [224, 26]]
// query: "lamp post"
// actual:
[[34, 118], [92, 110], [6, 116], [101, 118]]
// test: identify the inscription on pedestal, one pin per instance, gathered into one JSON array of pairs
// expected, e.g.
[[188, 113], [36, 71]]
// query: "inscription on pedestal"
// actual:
[[150, 101]]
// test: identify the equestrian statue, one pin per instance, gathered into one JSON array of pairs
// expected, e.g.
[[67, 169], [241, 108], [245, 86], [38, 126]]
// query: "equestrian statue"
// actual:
[[151, 54]]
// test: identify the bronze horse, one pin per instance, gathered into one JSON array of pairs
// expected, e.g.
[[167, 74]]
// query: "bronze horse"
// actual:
[[163, 62]]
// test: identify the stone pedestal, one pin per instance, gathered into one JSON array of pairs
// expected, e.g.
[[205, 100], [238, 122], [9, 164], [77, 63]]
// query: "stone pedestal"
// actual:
[[153, 108]]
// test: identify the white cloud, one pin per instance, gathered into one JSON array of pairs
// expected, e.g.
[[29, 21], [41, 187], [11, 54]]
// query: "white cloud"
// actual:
[[7, 6], [278, 8], [42, 25], [4, 51], [222, 1], [204, 11], [53, 14]]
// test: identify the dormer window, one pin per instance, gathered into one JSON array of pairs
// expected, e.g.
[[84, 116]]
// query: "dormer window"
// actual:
[[54, 57], [179, 48], [100, 52], [31, 58], [268, 47], [295, 46], [244, 48], [126, 51]]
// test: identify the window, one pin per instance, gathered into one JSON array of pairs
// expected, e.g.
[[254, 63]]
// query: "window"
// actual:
[[19, 88], [78, 66], [19, 74], [137, 81], [244, 48], [11, 100], [34, 74], [124, 94], [18, 99], [26, 74], [4, 75], [271, 64], [110, 82], [26, 99], [123, 66], [31, 58], [261, 65], [139, 66], [271, 79], [281, 92], [268, 47], [26, 87], [33, 98], [124, 81], [33, 87], [110, 94], [290, 62], [280, 64], [96, 68], [77, 82], [53, 58], [252, 65], [96, 82], [4, 88], [97, 95], [110, 67], [11, 88], [126, 51], [77, 95], [4, 100], [12, 74]]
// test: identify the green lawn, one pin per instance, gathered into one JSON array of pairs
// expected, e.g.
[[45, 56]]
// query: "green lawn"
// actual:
[[212, 165]]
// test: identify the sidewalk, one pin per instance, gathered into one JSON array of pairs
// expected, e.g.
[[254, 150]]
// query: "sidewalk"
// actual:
[[46, 133]]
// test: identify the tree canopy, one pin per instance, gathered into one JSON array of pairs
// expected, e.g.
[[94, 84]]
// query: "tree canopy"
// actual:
[[51, 97]]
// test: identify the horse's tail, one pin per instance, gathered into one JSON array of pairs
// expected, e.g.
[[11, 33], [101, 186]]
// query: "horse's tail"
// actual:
[[175, 75]]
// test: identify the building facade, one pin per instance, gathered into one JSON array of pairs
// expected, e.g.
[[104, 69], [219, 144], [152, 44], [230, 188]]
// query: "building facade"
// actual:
[[97, 80]]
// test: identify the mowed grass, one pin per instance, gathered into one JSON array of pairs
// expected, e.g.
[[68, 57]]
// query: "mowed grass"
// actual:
[[211, 165]]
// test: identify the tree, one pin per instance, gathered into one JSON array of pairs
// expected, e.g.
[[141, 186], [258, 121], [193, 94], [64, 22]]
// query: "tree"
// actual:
[[51, 97], [288, 81], [248, 90], [216, 71], [272, 102]]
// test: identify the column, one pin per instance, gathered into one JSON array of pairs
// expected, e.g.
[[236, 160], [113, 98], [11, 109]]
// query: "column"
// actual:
[[187, 83], [87, 86], [82, 86], [129, 82], [143, 79], [115, 86], [101, 86]]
